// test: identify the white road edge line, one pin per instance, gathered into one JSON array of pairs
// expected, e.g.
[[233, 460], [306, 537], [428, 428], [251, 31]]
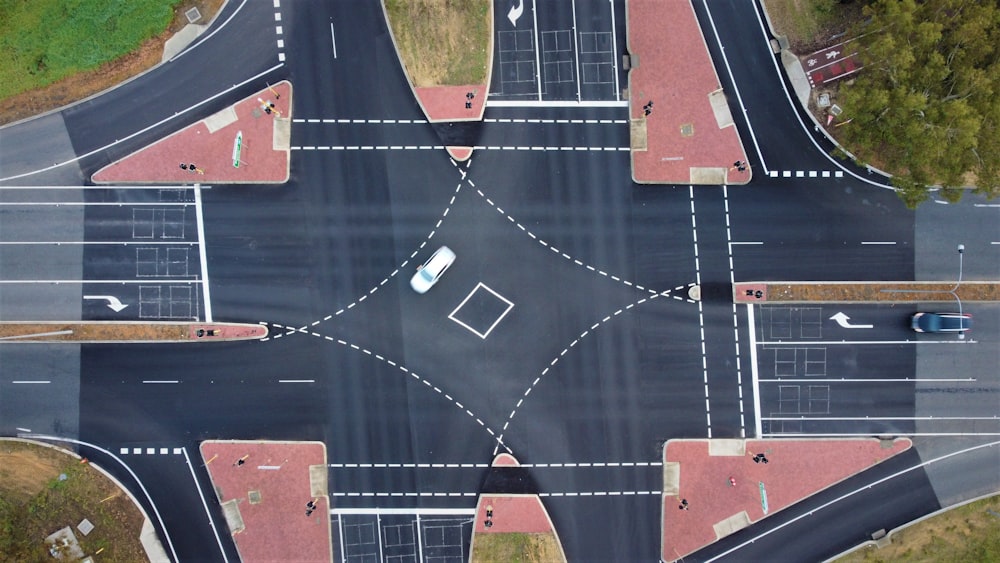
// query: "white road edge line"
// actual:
[[752, 326], [404, 511], [205, 291], [140, 132], [739, 98], [614, 47], [848, 495], [187, 459], [135, 477], [209, 36]]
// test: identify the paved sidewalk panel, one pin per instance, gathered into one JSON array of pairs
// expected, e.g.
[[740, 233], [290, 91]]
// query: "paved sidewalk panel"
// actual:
[[687, 135], [711, 490], [246, 143], [264, 488]]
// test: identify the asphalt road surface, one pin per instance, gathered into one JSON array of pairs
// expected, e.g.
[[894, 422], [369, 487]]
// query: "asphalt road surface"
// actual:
[[563, 333]]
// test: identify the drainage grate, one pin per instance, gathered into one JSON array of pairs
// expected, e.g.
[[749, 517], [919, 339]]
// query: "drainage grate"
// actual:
[[192, 15]]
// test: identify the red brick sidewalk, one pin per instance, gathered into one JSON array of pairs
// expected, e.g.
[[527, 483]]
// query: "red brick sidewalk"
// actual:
[[210, 145], [795, 470], [269, 491], [688, 136], [512, 513]]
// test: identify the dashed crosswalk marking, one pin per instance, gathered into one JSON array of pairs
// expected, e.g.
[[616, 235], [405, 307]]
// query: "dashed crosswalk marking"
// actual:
[[806, 173], [151, 451]]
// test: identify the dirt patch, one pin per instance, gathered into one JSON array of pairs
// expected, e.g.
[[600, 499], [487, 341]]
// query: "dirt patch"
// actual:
[[811, 25], [967, 533], [85, 84], [442, 42], [507, 547], [43, 490], [887, 292], [24, 472]]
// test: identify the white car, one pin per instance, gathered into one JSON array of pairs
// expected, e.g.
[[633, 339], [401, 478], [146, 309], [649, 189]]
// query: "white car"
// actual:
[[432, 270]]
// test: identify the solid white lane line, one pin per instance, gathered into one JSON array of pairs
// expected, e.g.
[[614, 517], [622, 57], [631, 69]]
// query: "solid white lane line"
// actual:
[[92, 204], [118, 282], [140, 132], [752, 329], [614, 49], [405, 511], [746, 242], [204, 504], [149, 499], [333, 38], [739, 98], [205, 289], [876, 380], [853, 342], [842, 418], [96, 243], [556, 104], [30, 381], [863, 489], [576, 51]]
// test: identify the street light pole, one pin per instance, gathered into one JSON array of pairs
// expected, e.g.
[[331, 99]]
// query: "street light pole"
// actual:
[[953, 292], [961, 253]]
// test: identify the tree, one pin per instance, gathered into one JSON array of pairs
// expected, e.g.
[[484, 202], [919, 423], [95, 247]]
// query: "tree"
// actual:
[[926, 106]]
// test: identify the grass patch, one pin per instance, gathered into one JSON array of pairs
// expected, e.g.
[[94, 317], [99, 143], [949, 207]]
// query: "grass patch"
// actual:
[[34, 502], [516, 548], [968, 533], [442, 42], [811, 24], [46, 40], [49, 63]]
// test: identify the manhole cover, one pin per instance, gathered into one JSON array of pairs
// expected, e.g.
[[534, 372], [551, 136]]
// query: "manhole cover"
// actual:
[[687, 129], [254, 497]]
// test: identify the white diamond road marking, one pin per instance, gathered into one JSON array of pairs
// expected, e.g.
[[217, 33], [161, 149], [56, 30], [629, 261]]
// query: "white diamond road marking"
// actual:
[[495, 323]]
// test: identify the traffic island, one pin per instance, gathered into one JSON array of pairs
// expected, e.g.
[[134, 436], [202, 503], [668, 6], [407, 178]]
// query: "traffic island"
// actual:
[[512, 526], [248, 142], [713, 488], [864, 292], [681, 128], [82, 332], [428, 50], [274, 497]]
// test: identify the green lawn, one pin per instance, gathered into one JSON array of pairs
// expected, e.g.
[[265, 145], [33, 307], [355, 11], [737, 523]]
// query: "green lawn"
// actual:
[[45, 40]]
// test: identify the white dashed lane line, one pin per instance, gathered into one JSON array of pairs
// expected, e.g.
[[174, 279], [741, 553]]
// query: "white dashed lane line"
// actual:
[[572, 344], [403, 369]]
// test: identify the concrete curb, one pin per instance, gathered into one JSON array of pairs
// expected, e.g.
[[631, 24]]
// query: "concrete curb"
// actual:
[[413, 88], [119, 85], [889, 535], [148, 538]]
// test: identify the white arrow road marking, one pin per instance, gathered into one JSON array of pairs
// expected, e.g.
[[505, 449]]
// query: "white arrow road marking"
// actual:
[[842, 319], [515, 12], [113, 302]]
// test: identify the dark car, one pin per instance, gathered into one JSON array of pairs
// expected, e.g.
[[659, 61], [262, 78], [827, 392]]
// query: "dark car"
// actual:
[[941, 322]]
